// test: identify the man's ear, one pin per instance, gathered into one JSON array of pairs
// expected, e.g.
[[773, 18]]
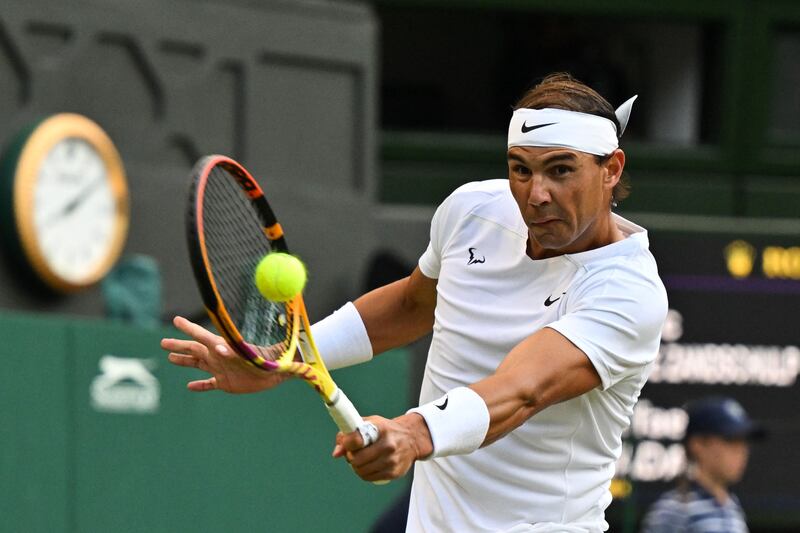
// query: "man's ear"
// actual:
[[614, 166]]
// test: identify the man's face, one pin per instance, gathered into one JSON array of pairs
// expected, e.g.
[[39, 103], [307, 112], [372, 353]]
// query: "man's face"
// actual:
[[562, 194], [724, 460]]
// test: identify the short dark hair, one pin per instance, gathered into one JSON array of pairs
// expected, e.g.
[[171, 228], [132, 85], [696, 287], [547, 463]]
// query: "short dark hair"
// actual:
[[561, 91]]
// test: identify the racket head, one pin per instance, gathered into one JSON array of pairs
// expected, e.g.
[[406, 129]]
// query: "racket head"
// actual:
[[230, 227]]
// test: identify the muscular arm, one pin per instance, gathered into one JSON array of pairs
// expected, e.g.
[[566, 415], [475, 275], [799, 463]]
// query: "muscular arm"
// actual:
[[398, 313], [544, 369]]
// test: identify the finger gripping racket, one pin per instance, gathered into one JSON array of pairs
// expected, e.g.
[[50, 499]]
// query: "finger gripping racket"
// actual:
[[230, 228]]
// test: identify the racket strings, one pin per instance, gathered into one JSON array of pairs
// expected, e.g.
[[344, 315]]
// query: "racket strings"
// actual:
[[235, 243]]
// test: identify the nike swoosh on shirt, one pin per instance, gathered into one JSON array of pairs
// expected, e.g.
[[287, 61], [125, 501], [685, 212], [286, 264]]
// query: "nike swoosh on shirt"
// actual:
[[548, 302]]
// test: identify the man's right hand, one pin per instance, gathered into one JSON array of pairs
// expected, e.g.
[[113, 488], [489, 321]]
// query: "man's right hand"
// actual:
[[210, 353]]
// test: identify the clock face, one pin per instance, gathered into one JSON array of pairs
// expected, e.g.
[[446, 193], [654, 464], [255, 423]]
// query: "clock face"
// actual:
[[69, 201], [74, 209]]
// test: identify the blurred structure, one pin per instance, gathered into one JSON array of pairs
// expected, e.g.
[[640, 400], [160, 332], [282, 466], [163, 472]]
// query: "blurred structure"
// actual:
[[287, 88], [714, 131], [132, 292]]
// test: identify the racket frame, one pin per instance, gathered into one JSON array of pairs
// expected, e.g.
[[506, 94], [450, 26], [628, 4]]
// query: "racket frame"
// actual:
[[310, 368]]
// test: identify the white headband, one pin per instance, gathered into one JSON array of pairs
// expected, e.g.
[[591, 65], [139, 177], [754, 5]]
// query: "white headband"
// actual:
[[569, 129]]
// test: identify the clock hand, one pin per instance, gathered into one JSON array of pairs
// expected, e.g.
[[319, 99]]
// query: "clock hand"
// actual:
[[83, 195]]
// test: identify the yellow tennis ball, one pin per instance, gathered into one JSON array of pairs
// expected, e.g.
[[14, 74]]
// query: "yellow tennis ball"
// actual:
[[280, 277]]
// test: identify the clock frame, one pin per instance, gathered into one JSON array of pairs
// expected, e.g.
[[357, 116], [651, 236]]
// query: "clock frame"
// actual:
[[21, 168]]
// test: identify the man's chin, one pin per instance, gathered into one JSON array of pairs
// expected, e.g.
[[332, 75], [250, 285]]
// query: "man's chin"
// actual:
[[549, 241], [548, 247]]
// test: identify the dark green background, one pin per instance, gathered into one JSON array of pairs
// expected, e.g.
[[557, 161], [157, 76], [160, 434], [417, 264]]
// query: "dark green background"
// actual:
[[202, 462]]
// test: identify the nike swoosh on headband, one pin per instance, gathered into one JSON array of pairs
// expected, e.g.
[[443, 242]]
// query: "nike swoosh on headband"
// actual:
[[526, 128]]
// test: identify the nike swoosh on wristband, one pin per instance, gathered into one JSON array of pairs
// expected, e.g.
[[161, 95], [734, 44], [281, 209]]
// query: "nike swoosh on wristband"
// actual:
[[526, 128], [444, 404]]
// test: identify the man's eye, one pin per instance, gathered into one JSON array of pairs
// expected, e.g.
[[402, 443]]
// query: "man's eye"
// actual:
[[561, 170], [522, 170]]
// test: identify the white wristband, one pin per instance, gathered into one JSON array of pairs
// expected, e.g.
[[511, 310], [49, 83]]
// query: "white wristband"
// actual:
[[458, 422], [342, 339]]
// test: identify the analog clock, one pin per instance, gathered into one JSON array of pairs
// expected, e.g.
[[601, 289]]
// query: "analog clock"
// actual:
[[65, 201]]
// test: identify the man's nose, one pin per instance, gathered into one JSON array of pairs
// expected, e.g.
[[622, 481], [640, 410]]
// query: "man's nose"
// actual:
[[539, 194]]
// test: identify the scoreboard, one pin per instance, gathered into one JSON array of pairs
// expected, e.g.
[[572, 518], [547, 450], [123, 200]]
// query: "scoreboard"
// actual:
[[733, 329]]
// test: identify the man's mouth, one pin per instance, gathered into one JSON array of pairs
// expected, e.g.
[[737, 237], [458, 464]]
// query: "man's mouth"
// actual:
[[542, 221]]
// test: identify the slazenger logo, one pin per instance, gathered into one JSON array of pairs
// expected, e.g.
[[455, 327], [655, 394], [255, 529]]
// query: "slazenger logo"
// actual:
[[125, 385]]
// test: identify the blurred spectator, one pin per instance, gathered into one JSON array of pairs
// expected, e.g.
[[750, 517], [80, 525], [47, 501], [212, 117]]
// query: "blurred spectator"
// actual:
[[717, 447]]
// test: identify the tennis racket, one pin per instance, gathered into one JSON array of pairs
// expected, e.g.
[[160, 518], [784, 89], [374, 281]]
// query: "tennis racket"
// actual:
[[230, 228]]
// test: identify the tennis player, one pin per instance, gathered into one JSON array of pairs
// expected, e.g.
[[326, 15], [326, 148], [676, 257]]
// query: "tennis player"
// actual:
[[546, 310], [717, 445]]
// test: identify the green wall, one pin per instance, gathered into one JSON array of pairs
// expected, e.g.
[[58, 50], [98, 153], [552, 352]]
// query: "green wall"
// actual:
[[198, 462]]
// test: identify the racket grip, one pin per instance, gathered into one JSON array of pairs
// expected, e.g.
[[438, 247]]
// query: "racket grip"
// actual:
[[344, 413], [346, 416]]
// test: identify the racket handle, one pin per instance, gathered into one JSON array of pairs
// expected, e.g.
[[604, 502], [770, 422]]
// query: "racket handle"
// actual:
[[346, 416], [344, 413]]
